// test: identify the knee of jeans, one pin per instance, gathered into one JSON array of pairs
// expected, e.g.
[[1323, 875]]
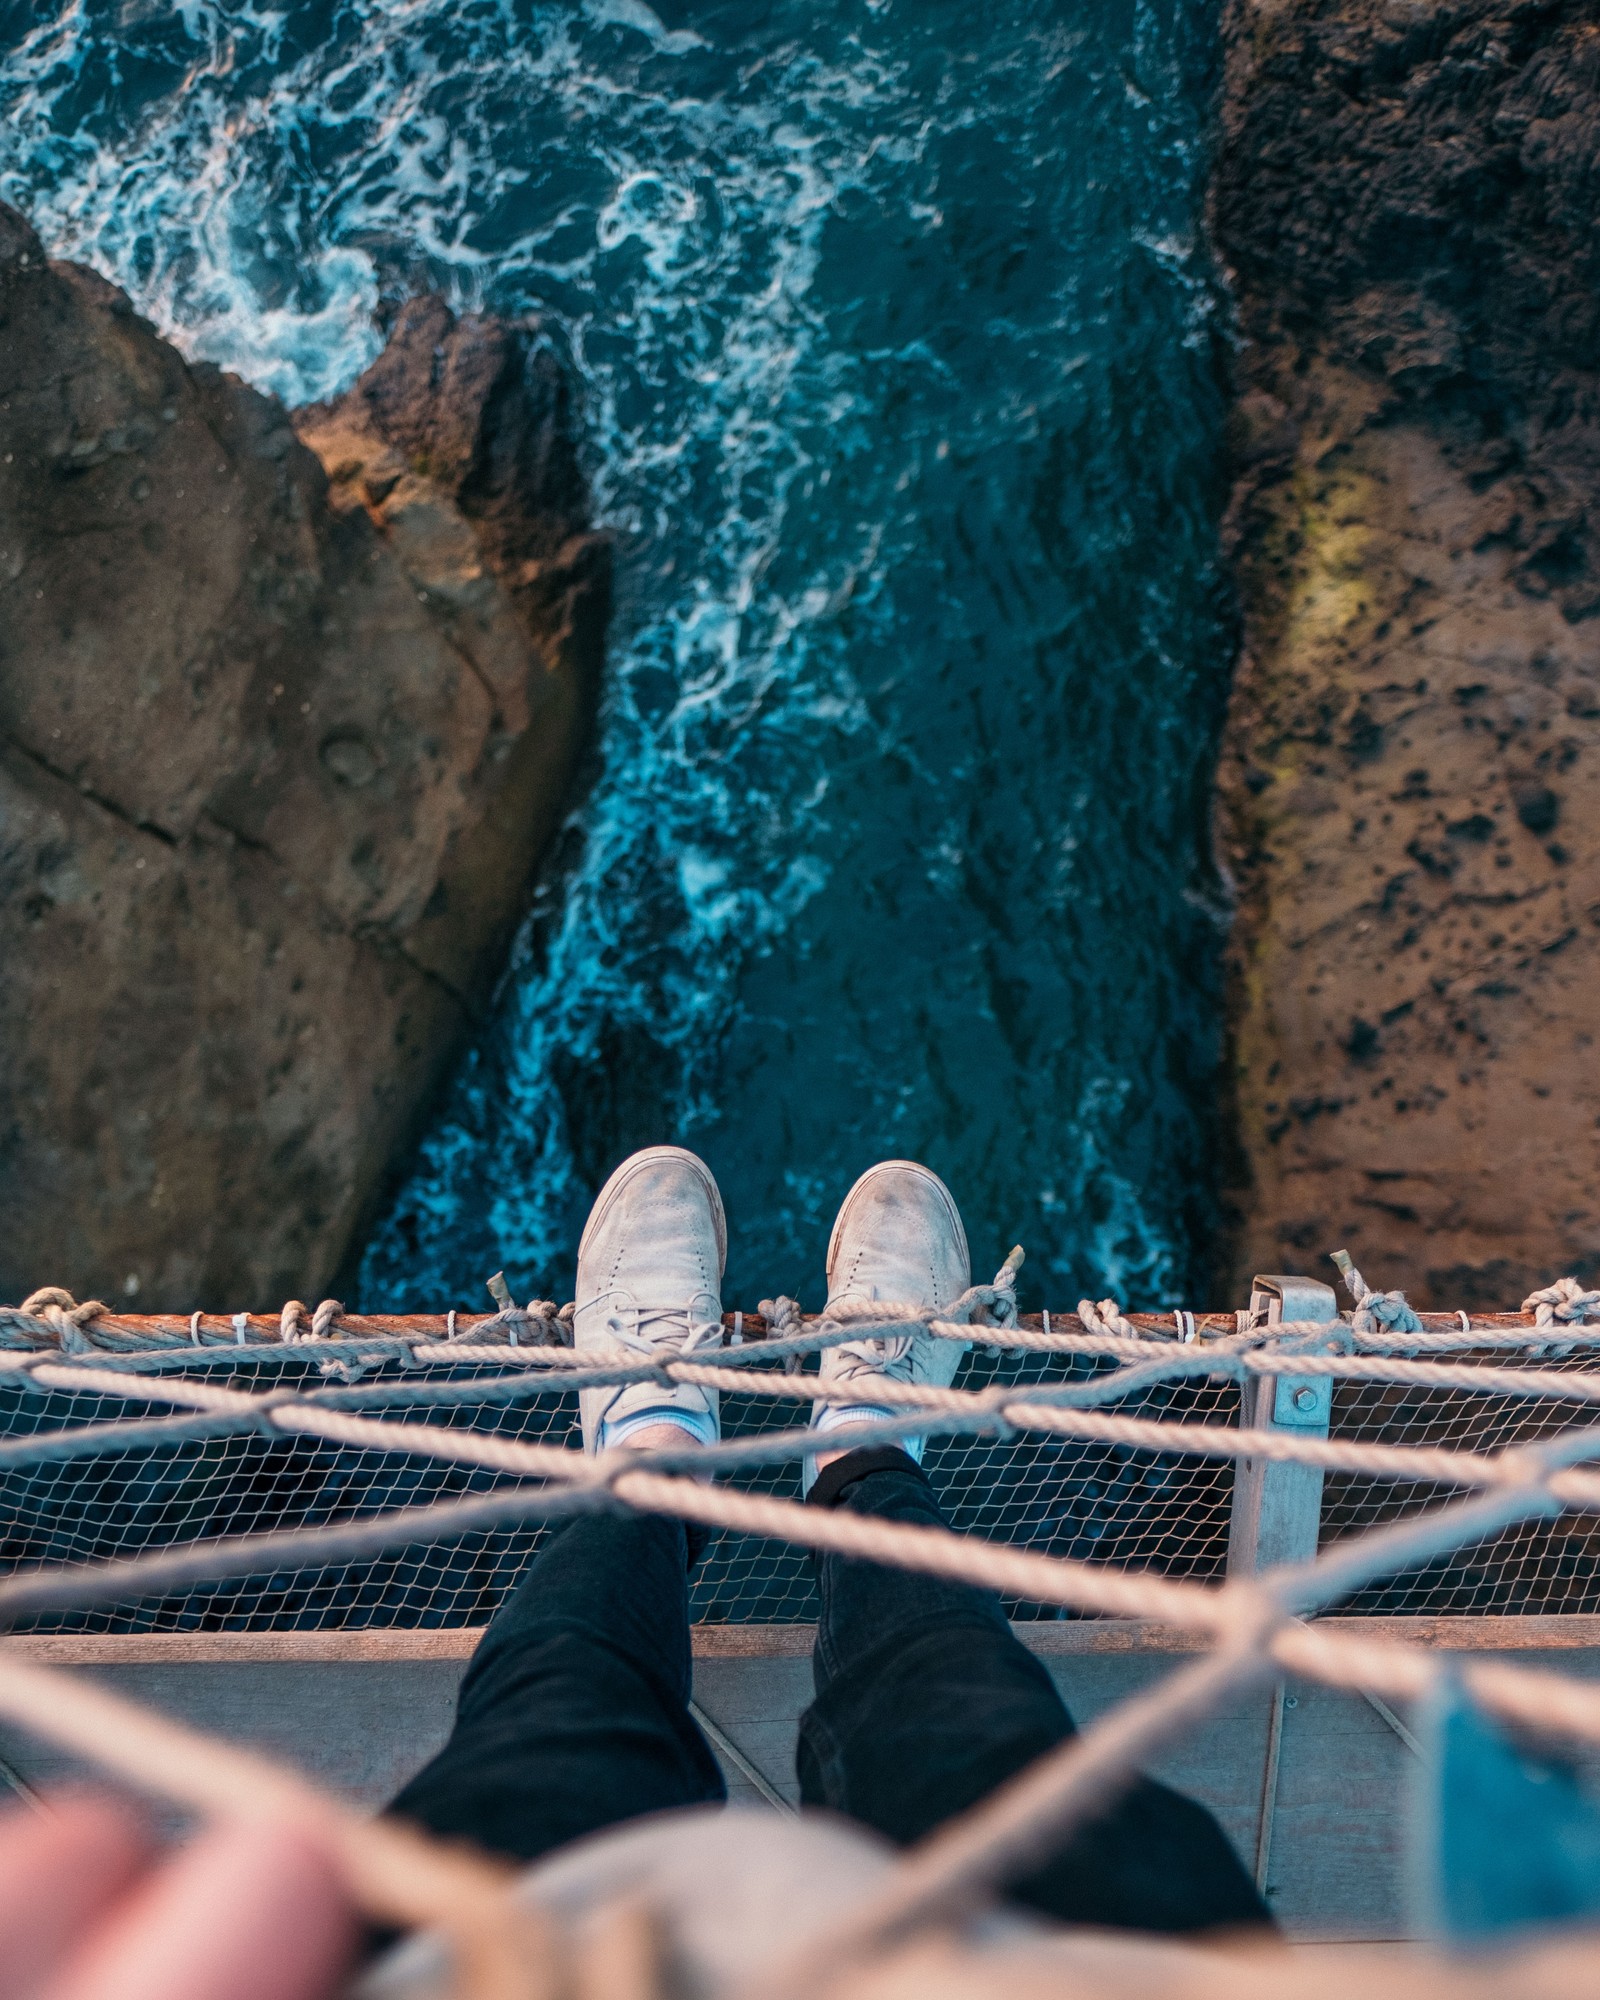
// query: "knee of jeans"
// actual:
[[905, 1781], [953, 1695]]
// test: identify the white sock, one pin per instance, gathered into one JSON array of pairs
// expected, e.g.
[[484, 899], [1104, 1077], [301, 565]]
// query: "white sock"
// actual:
[[837, 1415], [696, 1424]]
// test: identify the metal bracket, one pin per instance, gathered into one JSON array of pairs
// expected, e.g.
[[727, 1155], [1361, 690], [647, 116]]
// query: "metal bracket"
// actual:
[[1275, 1299], [1277, 1509]]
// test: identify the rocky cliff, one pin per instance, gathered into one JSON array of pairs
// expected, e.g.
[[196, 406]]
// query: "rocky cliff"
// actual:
[[1405, 196], [284, 721]]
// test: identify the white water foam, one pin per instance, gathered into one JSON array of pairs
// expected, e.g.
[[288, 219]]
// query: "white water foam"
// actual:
[[258, 178], [200, 209]]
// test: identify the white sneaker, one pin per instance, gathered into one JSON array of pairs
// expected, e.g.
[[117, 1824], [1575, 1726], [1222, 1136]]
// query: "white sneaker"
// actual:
[[649, 1281], [898, 1238]]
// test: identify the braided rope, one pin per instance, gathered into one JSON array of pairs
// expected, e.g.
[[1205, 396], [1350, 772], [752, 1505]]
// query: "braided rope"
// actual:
[[950, 1411], [1376, 1312], [1291, 1348], [1255, 1625], [1566, 1301]]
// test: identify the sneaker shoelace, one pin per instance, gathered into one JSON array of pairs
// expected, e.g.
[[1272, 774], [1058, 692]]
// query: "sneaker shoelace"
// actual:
[[893, 1355], [647, 1329]]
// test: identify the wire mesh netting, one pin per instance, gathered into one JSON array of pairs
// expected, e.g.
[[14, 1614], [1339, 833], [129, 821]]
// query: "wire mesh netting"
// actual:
[[1141, 1510], [1536, 1568], [1127, 1506]]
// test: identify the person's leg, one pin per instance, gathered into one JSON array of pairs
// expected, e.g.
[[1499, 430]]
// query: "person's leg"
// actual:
[[575, 1711], [926, 1701]]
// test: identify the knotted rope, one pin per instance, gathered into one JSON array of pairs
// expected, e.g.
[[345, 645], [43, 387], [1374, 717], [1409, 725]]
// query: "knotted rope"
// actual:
[[1107, 1318], [324, 1321], [1566, 1301], [60, 1312], [895, 1324], [992, 1305], [985, 1315], [548, 1324], [1255, 1623], [1387, 1312]]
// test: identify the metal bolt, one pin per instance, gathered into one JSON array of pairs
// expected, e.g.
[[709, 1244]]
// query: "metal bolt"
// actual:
[[1305, 1399]]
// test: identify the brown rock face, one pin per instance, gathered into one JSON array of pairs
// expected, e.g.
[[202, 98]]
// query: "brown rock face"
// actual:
[[278, 747], [1406, 195]]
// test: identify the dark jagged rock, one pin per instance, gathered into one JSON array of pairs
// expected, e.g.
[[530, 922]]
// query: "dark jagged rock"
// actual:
[[1405, 194], [284, 722]]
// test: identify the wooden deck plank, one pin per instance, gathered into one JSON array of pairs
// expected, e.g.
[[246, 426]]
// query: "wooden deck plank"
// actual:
[[765, 1642], [362, 1711]]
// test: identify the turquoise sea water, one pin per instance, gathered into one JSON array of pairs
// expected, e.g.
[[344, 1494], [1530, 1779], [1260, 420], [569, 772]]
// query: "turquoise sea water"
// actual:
[[899, 360]]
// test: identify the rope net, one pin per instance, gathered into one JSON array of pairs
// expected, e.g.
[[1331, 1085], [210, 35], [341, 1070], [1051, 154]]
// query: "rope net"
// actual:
[[92, 1472], [1093, 1501], [322, 1469]]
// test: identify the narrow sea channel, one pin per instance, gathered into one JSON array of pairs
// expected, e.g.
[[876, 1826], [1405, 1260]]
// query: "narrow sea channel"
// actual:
[[900, 358]]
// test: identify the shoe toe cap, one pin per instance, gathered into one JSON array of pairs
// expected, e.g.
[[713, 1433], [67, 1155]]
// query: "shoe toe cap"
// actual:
[[656, 1231], [899, 1236]]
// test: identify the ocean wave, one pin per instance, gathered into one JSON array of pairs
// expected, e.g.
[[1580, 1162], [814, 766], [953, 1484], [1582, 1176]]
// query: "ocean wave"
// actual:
[[899, 390]]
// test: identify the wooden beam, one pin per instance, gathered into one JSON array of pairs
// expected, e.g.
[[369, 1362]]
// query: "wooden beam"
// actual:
[[361, 1711], [262, 1329], [1048, 1638]]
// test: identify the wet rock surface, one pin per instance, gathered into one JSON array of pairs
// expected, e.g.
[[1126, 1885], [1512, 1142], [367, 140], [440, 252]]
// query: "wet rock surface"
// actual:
[[1408, 801], [284, 722]]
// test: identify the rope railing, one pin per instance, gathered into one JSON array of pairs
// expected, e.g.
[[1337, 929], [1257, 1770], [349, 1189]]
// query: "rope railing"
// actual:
[[994, 1412], [431, 1337], [1060, 1409], [1551, 1319], [1255, 1625]]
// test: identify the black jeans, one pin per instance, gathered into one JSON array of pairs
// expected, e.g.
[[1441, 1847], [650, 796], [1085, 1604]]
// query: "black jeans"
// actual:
[[574, 1715]]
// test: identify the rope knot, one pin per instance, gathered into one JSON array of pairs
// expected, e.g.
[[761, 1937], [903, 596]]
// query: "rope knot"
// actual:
[[555, 1321], [783, 1317], [1106, 1318], [1376, 1312], [997, 1303], [985, 1305], [549, 1325], [61, 1312], [785, 1321], [47, 1295], [1566, 1301], [326, 1318], [292, 1322]]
